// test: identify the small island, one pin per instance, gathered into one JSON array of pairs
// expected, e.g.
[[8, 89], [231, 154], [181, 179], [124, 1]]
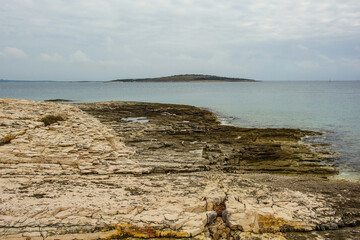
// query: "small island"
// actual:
[[186, 78]]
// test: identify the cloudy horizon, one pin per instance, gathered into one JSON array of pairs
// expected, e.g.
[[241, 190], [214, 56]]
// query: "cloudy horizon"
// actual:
[[92, 40]]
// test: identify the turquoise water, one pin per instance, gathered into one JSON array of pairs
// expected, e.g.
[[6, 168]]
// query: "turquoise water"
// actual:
[[333, 107]]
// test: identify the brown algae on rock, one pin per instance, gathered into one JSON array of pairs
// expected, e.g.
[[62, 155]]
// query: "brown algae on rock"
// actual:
[[172, 129], [125, 230]]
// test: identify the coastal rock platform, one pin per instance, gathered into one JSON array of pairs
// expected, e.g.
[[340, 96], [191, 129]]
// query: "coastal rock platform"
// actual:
[[120, 170]]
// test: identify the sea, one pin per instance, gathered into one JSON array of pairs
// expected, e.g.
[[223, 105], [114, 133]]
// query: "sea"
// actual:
[[329, 106]]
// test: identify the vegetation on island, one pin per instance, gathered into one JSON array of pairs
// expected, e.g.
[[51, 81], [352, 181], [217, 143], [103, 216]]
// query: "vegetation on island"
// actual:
[[60, 100], [186, 78]]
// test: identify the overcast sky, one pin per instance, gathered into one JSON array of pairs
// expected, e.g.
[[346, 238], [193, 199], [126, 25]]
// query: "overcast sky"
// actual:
[[110, 39]]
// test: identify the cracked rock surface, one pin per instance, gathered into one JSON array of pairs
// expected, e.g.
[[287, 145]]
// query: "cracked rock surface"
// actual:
[[119, 176], [180, 138]]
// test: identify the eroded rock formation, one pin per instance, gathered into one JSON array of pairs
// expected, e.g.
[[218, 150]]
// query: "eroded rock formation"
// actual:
[[177, 175]]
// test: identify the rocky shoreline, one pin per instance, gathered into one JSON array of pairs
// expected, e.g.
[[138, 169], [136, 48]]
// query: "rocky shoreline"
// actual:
[[125, 170], [181, 135]]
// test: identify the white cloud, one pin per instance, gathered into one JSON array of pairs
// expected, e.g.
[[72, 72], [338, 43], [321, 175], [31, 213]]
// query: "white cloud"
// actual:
[[181, 35], [110, 63], [302, 47], [51, 58], [306, 64], [326, 58], [79, 56], [13, 52], [352, 62]]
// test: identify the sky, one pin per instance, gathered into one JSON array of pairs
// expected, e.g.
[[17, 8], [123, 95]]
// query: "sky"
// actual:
[[98, 40]]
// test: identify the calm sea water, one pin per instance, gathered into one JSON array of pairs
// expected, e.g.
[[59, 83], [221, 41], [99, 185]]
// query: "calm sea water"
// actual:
[[333, 107]]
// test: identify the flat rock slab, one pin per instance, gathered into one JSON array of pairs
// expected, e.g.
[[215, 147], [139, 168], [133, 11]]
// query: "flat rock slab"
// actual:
[[183, 204], [175, 138], [121, 186]]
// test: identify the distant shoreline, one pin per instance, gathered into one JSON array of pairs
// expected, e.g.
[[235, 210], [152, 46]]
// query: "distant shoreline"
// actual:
[[186, 78]]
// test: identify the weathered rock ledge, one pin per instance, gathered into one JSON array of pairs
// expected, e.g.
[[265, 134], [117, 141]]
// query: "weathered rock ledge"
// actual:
[[162, 171], [177, 138]]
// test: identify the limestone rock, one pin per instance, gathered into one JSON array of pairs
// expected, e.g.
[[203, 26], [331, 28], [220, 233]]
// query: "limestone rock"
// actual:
[[85, 179]]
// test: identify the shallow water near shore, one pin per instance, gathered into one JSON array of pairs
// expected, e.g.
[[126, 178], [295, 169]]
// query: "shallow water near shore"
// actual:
[[332, 107]]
